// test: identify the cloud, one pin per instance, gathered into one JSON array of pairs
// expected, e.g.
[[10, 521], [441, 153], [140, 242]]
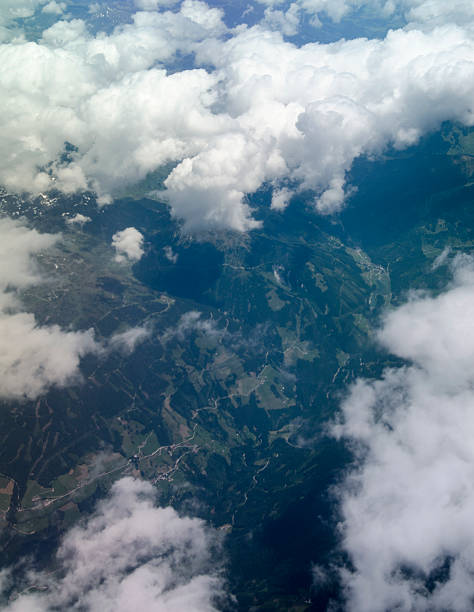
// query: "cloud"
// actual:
[[78, 219], [55, 8], [104, 94], [442, 258], [12, 12], [262, 111], [32, 357], [280, 198], [306, 113], [319, 107], [287, 15], [128, 340], [128, 244], [435, 12], [131, 555], [18, 9], [287, 22], [407, 506], [18, 245], [170, 254], [153, 5], [191, 321]]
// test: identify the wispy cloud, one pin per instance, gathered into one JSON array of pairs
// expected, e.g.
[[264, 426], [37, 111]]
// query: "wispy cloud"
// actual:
[[129, 339], [193, 321]]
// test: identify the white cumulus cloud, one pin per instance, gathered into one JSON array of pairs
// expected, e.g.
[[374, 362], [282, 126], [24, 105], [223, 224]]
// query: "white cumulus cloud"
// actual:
[[307, 113], [407, 507], [262, 112], [130, 555], [35, 357], [128, 244], [55, 8]]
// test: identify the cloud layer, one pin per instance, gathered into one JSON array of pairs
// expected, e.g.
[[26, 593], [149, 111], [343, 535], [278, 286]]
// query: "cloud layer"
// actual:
[[130, 555], [407, 509], [263, 111]]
